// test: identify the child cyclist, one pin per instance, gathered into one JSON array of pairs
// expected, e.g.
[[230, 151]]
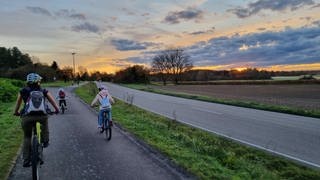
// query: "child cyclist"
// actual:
[[105, 101], [29, 114], [61, 96]]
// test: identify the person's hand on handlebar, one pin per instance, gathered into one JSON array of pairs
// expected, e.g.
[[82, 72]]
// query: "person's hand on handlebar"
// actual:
[[16, 113]]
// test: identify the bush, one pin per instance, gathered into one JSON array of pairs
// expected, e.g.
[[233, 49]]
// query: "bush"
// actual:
[[9, 89]]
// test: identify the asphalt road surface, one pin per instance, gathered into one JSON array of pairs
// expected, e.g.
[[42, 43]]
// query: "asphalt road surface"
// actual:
[[295, 137], [78, 151]]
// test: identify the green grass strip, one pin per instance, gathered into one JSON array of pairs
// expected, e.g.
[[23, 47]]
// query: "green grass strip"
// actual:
[[202, 153], [240, 103], [10, 137], [57, 84]]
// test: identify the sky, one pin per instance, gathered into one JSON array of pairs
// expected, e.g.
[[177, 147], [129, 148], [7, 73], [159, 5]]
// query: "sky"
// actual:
[[111, 35]]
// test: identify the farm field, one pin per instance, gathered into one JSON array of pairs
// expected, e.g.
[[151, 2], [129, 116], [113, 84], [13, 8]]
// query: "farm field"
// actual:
[[302, 96]]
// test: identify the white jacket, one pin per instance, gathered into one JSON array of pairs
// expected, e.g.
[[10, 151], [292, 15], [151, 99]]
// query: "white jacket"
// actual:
[[99, 96]]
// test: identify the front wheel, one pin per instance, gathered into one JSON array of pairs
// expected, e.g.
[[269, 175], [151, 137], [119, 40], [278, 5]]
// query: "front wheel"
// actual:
[[108, 132], [35, 158]]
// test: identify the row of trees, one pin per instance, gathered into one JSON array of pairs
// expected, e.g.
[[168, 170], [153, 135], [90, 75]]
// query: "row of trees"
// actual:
[[169, 65]]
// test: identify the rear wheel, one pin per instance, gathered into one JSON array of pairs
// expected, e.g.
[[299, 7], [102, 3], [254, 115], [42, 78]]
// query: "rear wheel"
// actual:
[[62, 109], [35, 158]]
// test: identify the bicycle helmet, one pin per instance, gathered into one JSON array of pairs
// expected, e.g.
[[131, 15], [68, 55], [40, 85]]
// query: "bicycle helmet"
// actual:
[[33, 78]]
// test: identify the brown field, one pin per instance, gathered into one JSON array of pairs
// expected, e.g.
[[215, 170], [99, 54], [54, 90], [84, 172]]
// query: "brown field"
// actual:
[[302, 96]]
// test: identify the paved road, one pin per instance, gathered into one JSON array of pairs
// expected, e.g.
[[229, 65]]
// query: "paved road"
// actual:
[[78, 151], [295, 137]]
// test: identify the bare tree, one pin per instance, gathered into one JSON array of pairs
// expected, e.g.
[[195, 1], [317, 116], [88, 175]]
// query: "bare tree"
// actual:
[[161, 66], [171, 62], [180, 62]]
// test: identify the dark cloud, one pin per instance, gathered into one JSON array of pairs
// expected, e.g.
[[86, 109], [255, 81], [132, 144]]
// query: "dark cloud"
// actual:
[[291, 46], [86, 27], [70, 14], [256, 7], [202, 32], [316, 6], [317, 23], [78, 16], [189, 14], [39, 10], [128, 12], [261, 29], [128, 45]]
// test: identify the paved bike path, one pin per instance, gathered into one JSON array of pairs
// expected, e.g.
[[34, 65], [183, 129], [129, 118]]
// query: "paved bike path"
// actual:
[[78, 151]]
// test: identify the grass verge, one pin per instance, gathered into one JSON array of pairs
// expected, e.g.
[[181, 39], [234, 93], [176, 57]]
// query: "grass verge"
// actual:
[[203, 154], [57, 84], [10, 137], [247, 104]]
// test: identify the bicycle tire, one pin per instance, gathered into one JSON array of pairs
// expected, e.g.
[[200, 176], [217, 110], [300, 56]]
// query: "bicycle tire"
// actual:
[[35, 158], [62, 109], [108, 132]]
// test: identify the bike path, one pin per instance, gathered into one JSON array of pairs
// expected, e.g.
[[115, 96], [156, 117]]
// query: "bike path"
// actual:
[[78, 151]]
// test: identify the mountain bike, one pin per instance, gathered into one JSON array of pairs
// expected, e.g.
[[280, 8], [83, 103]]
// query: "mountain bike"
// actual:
[[36, 148], [106, 125]]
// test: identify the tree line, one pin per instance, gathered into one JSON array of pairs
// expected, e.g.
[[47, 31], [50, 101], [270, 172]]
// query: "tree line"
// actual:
[[168, 65]]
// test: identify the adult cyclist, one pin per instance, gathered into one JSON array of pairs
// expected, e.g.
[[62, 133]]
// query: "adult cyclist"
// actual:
[[28, 118]]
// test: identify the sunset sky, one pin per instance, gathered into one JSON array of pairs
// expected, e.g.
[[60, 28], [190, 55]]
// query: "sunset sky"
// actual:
[[217, 34]]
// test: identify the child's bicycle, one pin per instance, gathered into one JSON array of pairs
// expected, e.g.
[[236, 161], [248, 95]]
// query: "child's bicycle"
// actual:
[[106, 126], [63, 108]]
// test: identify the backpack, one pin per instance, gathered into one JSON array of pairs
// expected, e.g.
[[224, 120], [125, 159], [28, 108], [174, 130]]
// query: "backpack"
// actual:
[[35, 104], [62, 94], [105, 103]]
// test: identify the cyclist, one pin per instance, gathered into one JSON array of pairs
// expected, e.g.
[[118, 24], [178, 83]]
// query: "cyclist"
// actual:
[[105, 100], [61, 96], [28, 118]]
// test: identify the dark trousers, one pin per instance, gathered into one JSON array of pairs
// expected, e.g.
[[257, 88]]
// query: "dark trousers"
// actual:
[[62, 101], [26, 123]]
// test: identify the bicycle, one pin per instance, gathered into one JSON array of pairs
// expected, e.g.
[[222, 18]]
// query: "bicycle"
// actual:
[[106, 126], [61, 104], [36, 150]]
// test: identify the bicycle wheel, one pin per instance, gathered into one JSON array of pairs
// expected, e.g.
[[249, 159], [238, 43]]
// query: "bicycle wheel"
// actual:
[[62, 108], [35, 158], [108, 130]]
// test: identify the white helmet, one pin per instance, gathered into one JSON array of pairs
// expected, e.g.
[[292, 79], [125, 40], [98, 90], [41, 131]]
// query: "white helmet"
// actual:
[[33, 78]]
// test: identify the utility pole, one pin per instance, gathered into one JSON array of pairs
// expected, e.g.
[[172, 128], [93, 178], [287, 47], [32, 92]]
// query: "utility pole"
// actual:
[[74, 68]]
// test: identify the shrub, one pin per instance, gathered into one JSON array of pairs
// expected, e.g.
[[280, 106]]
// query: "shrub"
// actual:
[[9, 89]]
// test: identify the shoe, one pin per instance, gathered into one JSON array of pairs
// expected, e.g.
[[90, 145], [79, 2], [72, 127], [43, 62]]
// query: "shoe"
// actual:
[[26, 163], [45, 144], [101, 129]]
